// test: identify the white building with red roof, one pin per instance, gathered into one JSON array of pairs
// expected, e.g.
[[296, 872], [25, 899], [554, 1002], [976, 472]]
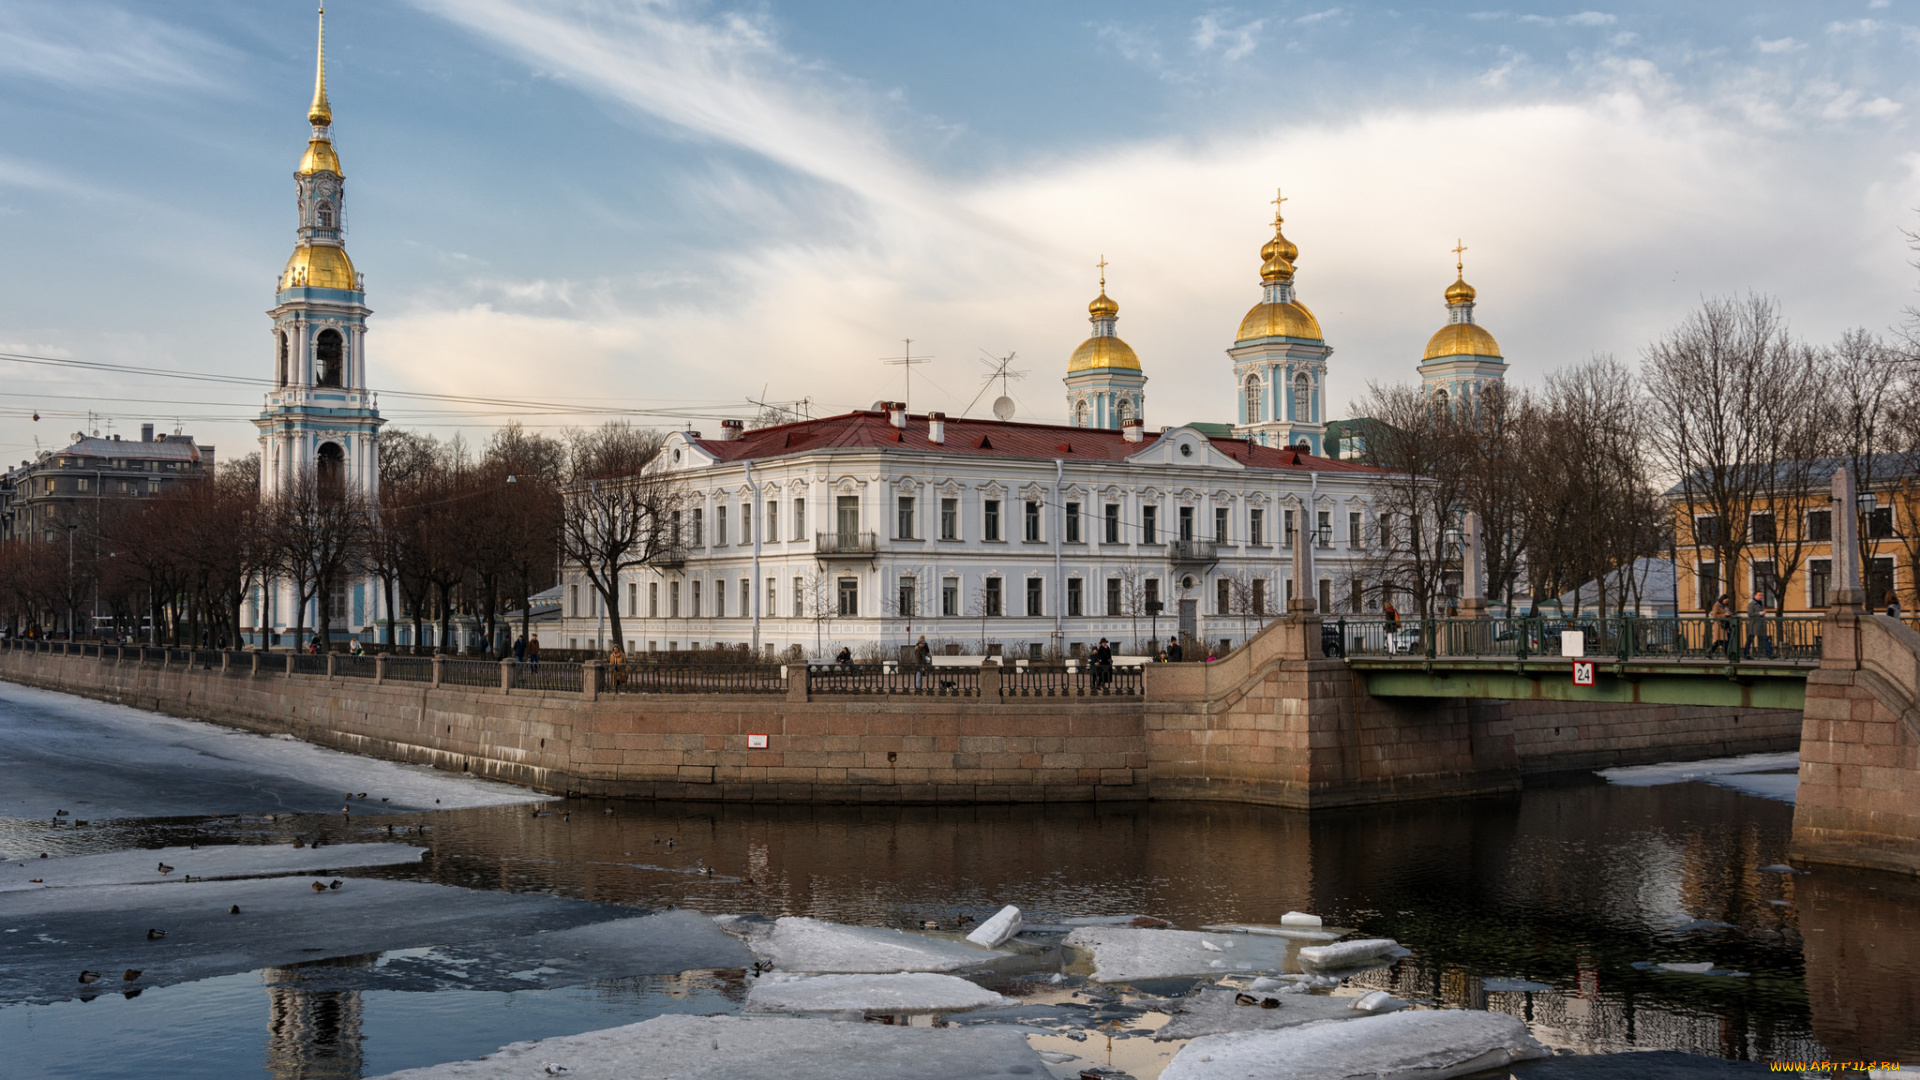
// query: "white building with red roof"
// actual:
[[875, 528]]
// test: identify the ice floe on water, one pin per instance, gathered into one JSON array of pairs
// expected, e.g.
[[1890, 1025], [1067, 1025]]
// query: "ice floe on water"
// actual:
[[1688, 967], [1770, 776], [1211, 1010], [757, 1048], [1398, 1046], [148, 866], [1124, 954], [100, 761], [904, 992], [803, 944], [1343, 955]]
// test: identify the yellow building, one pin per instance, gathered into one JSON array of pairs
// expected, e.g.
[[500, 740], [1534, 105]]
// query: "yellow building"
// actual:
[[1786, 544]]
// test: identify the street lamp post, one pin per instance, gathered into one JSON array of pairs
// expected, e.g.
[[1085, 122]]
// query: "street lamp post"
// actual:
[[71, 526]]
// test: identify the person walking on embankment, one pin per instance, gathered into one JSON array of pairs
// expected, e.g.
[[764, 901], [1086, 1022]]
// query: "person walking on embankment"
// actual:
[[1757, 624], [1722, 616]]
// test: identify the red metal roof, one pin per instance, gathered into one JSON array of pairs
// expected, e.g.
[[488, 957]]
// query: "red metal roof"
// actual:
[[867, 430]]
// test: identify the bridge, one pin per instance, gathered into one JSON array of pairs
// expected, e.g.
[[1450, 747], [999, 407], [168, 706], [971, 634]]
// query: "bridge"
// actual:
[[1741, 663]]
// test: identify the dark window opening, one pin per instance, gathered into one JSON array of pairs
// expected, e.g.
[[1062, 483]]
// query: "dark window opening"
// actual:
[[332, 472], [329, 357]]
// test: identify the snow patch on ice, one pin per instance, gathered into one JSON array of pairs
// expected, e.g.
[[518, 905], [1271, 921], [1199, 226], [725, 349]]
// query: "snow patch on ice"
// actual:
[[802, 944], [1398, 1046], [905, 992], [1299, 933], [1771, 776], [752, 1048], [1347, 954]]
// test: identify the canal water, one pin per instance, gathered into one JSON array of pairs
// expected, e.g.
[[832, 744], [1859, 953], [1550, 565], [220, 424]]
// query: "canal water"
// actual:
[[1558, 905]]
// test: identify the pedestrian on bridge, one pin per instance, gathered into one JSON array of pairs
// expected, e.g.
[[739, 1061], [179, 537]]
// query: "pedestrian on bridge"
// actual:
[[1722, 616], [1757, 624], [1893, 605]]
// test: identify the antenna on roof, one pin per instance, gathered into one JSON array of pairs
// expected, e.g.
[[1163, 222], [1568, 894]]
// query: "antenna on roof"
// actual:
[[908, 360], [1000, 367]]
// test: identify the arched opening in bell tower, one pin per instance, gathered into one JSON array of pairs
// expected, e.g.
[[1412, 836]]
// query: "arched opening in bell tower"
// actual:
[[280, 368], [331, 472], [329, 356]]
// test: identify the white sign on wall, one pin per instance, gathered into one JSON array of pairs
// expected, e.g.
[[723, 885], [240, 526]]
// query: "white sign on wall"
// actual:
[[756, 742], [1573, 643]]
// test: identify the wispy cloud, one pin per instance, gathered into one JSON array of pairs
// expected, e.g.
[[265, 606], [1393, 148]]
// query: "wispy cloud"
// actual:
[[1778, 45], [1235, 40], [1855, 28], [1323, 16], [98, 47]]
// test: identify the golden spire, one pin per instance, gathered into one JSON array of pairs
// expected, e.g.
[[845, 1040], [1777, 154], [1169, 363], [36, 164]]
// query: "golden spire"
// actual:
[[1459, 292], [320, 114], [1103, 307], [1278, 254]]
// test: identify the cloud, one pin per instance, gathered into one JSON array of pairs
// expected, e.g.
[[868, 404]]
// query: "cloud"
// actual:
[[1778, 45], [1235, 41], [1592, 18], [1323, 16], [102, 48], [1856, 28]]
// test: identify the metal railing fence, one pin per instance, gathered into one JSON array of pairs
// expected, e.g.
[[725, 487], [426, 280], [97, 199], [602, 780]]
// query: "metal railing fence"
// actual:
[[458, 672], [1791, 638], [348, 666], [1059, 680], [889, 679], [546, 675], [410, 669], [651, 678]]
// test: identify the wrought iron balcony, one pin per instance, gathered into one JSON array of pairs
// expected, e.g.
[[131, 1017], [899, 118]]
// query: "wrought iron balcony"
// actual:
[[853, 545], [1193, 551]]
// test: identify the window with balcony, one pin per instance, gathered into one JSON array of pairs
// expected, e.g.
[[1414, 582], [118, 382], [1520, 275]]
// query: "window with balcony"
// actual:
[[846, 520], [949, 519], [990, 520], [1186, 522], [1032, 521]]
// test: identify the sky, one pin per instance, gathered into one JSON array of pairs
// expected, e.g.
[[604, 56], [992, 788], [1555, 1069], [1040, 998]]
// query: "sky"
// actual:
[[580, 209]]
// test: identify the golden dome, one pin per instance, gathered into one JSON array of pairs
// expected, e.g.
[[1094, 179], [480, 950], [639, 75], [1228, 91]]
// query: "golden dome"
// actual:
[[320, 266], [320, 158], [1461, 339], [1291, 319], [1097, 353], [1459, 292], [1103, 306]]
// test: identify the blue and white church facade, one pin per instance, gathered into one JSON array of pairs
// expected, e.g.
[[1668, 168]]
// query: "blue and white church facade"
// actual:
[[320, 424], [1280, 359], [1105, 386], [1462, 359]]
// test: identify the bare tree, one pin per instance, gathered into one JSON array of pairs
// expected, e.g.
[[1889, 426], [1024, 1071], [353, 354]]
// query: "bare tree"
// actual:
[[1714, 419], [316, 535], [1425, 449], [1861, 375], [621, 508]]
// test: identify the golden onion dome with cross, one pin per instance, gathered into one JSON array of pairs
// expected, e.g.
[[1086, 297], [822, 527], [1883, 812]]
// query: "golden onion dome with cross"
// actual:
[[1461, 336], [1274, 316], [1104, 350]]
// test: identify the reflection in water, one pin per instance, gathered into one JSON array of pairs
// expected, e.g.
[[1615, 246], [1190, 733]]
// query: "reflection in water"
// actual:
[[313, 1034], [1583, 888]]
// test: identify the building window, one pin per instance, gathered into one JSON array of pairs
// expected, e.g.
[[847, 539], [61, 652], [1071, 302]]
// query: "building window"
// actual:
[[849, 596], [949, 519], [1153, 595], [1149, 523], [81, 483], [1879, 583], [1820, 527], [846, 517], [773, 599], [719, 598], [909, 598], [773, 521], [1113, 596], [990, 526], [1256, 527], [1706, 531], [1760, 528], [993, 600], [1819, 575], [1259, 596], [1034, 596], [950, 596], [1286, 527], [1879, 527], [695, 538], [1220, 518], [1223, 597], [573, 601], [673, 599], [329, 355], [1253, 399], [1765, 583], [1074, 600], [1032, 521], [1354, 532], [1080, 413], [1709, 576], [1323, 528], [905, 516], [325, 214], [746, 521], [633, 598], [1302, 399], [1186, 523], [1073, 523], [1113, 523], [719, 526], [653, 599], [800, 519], [695, 598], [799, 597], [1326, 595]]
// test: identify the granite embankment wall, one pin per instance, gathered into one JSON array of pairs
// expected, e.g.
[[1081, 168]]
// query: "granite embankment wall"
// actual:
[[1859, 801], [1271, 723], [665, 746]]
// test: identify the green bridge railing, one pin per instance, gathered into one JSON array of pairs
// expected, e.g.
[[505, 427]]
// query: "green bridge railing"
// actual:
[[1789, 639]]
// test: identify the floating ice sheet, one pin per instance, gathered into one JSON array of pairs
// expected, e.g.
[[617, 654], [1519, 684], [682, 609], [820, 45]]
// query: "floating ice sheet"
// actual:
[[1212, 1010], [802, 944], [1398, 1046], [905, 992], [1772, 776], [142, 867], [1299, 933], [1361, 952], [757, 1048], [993, 933], [101, 761], [56, 933], [1123, 954]]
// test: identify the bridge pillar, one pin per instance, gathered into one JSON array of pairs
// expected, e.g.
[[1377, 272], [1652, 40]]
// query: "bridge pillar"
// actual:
[[1859, 797]]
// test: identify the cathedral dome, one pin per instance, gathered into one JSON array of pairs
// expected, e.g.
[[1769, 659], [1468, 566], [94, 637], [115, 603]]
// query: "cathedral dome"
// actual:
[[1460, 292], [1103, 306], [1461, 339], [320, 266], [320, 158], [1284, 319], [1102, 353]]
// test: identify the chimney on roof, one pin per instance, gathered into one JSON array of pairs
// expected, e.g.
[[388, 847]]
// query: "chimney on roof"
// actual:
[[897, 413], [1132, 430], [146, 432], [936, 428], [732, 430]]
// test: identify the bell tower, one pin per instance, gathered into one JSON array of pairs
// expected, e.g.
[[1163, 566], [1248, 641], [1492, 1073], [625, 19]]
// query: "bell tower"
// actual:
[[1279, 357], [320, 421]]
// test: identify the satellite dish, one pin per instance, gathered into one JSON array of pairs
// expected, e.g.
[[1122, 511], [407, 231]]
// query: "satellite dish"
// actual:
[[879, 406], [1003, 408]]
